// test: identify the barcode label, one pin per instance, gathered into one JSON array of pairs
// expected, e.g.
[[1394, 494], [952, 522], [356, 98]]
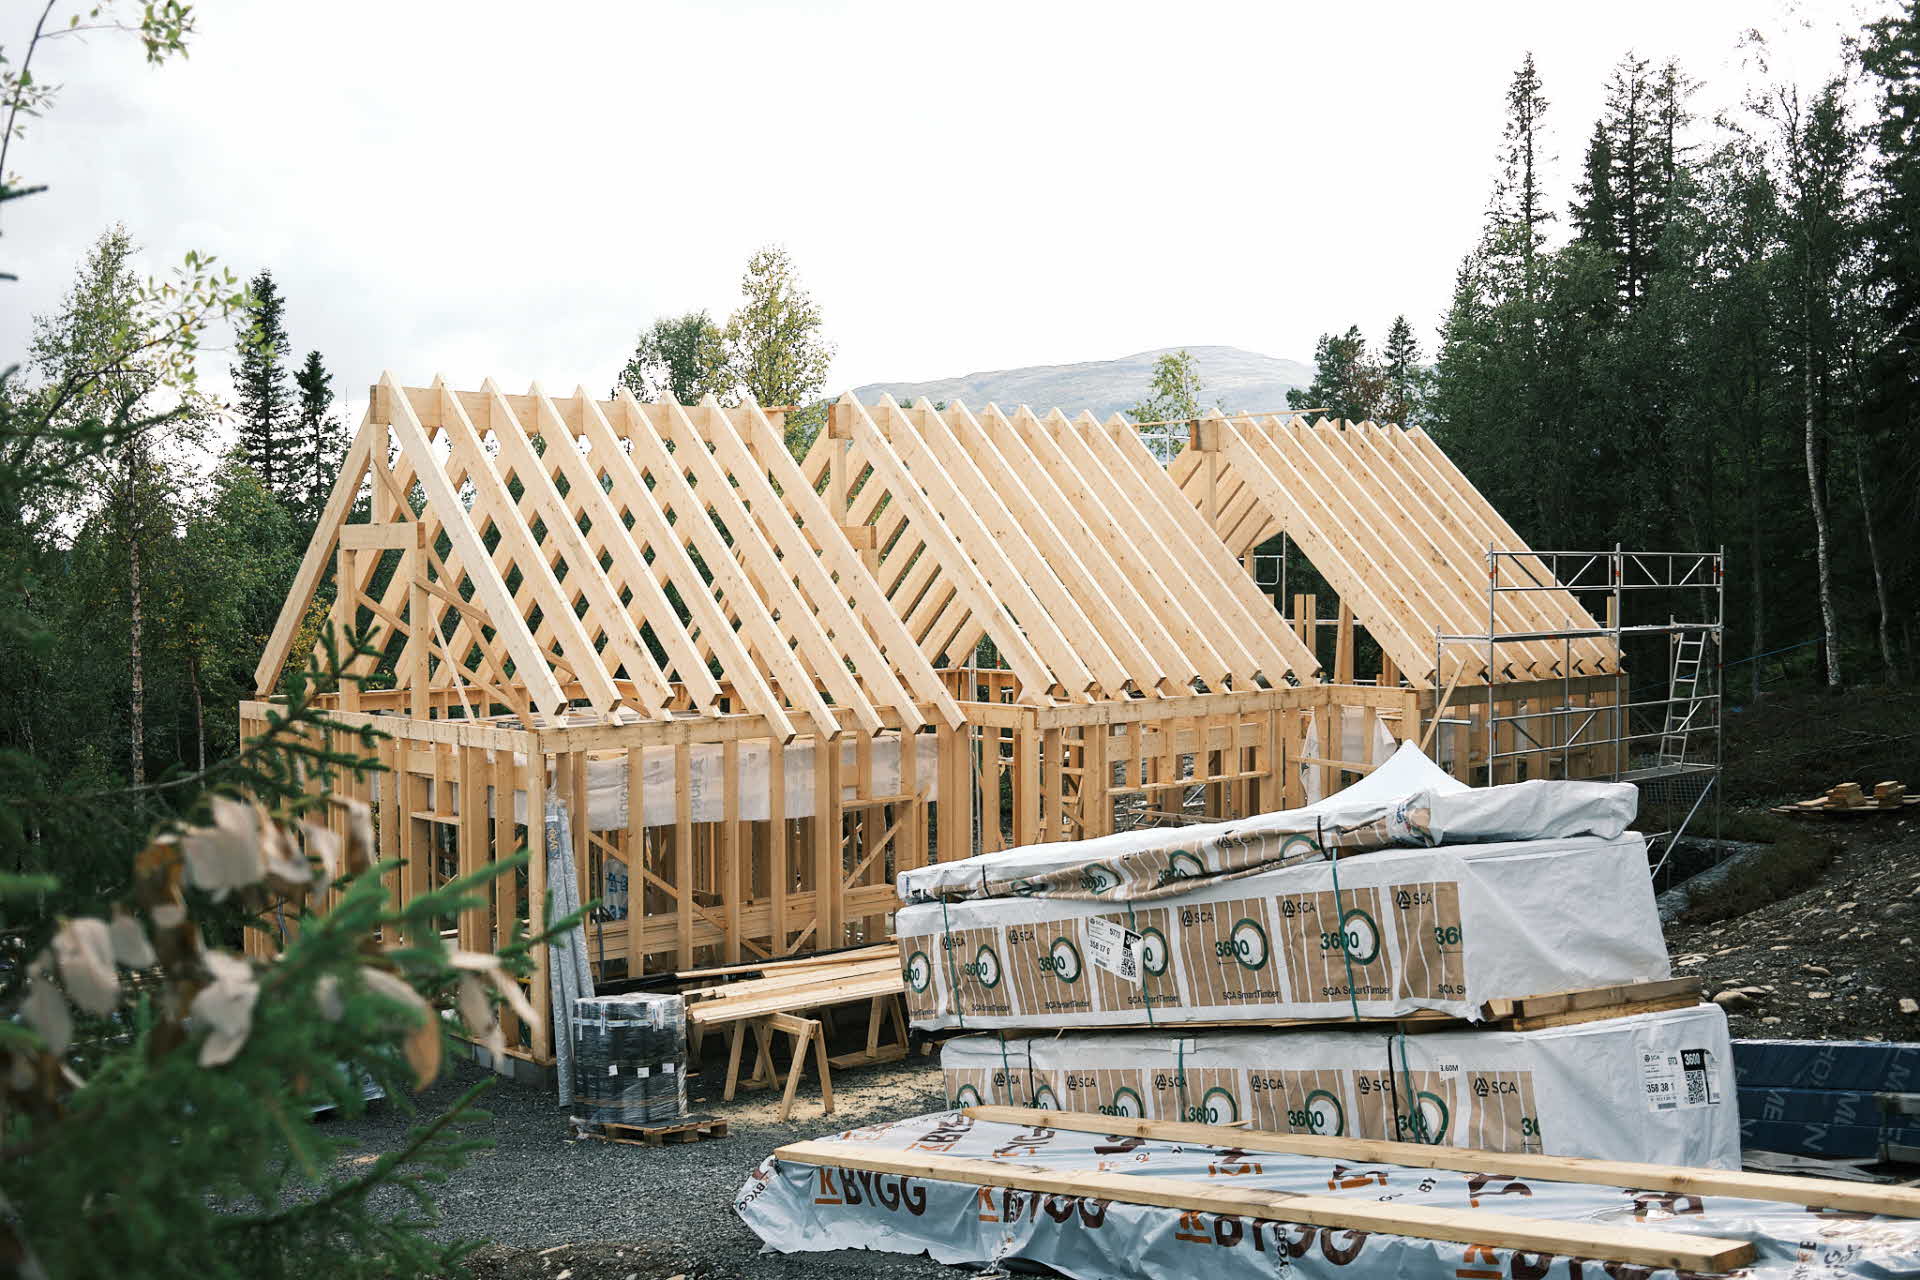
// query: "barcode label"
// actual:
[[1696, 1069], [1672, 1080], [1114, 948], [1660, 1079]]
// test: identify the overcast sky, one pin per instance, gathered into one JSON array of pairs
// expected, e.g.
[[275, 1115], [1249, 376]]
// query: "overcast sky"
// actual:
[[512, 190]]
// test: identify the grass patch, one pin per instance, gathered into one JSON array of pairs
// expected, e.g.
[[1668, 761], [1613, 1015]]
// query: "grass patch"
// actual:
[[1751, 826], [1794, 862]]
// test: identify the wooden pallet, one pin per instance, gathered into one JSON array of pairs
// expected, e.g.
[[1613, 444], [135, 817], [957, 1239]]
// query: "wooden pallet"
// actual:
[[1850, 800], [1822, 807], [692, 1129]]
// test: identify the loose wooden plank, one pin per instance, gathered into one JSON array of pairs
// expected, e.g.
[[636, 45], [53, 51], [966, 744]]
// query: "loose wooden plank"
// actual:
[[1644, 1246], [1815, 1193]]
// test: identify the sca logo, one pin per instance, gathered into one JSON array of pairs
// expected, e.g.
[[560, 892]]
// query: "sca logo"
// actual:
[[1062, 960], [1183, 865], [1155, 955], [1246, 943], [1359, 937], [1300, 846], [1125, 1103], [984, 968], [1321, 1113], [1428, 1123], [1217, 1107], [919, 971], [1098, 878], [966, 1096]]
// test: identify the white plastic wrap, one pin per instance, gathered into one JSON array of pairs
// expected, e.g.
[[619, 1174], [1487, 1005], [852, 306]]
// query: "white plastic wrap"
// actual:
[[1379, 936], [1654, 1087], [1406, 803], [797, 1208]]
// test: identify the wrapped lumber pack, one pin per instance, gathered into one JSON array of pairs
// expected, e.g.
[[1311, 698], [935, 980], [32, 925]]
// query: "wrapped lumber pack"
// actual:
[[1380, 936], [1652, 1086], [1406, 892], [1021, 1195]]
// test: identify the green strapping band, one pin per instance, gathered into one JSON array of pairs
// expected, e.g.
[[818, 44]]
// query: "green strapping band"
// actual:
[[1413, 1099], [953, 975], [1340, 920]]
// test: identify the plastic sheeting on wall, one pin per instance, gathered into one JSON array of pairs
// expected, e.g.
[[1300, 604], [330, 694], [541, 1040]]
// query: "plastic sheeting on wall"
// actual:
[[796, 1207], [1654, 1087], [608, 806], [1355, 746], [1379, 936]]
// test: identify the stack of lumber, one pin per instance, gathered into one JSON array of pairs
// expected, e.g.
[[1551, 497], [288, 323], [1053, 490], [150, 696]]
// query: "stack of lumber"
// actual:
[[1850, 800], [795, 998], [1645, 1084], [1847, 1099], [1088, 1195], [1425, 924]]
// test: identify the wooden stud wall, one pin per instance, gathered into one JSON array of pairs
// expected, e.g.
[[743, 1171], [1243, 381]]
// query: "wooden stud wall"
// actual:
[[555, 583]]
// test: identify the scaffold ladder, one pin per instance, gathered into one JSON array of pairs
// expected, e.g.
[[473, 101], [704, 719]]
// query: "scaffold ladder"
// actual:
[[1684, 697]]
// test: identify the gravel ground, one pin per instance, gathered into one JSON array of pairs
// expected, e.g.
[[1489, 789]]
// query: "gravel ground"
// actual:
[[1834, 961], [550, 1204]]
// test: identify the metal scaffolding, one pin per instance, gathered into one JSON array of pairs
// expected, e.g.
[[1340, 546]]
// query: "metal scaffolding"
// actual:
[[1662, 732]]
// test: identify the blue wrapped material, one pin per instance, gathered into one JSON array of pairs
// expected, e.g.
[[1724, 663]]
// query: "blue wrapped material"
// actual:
[[1829, 1106], [1852, 1141], [1868, 1066]]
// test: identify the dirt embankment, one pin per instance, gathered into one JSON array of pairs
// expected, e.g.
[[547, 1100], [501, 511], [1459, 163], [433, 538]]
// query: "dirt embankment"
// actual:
[[1815, 937]]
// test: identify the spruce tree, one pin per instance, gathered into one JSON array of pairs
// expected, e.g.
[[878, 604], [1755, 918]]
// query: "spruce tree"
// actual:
[[1405, 379], [1519, 193], [266, 406], [320, 436], [1347, 383]]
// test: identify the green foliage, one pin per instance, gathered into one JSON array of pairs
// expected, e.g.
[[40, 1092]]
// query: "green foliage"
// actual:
[[320, 439], [162, 1129], [774, 344], [1695, 364], [268, 436], [1789, 867], [1173, 392], [1347, 381], [679, 358], [155, 1085]]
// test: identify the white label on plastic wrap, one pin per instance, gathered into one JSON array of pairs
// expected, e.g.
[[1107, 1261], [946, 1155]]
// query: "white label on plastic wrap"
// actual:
[[1696, 1068], [613, 1069], [1660, 1078], [1114, 948]]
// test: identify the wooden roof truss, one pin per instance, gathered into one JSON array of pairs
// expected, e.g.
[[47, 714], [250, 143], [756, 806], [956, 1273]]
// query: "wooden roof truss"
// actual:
[[1397, 531], [1060, 541], [634, 558]]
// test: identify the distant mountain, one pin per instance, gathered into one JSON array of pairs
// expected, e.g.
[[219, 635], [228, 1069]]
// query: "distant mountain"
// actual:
[[1229, 377]]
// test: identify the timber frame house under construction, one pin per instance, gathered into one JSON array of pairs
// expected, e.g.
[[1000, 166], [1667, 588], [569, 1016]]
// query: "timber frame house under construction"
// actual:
[[759, 687]]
